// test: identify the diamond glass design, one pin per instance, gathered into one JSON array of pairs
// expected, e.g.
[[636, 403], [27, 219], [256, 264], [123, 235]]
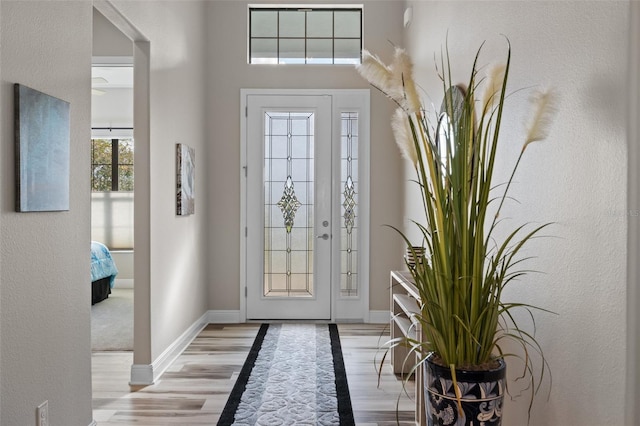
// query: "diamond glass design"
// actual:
[[288, 204], [349, 180], [349, 204]]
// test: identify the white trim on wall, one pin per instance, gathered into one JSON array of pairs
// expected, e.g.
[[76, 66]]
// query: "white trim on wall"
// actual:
[[379, 317], [147, 374], [224, 317], [233, 317], [141, 374], [123, 283]]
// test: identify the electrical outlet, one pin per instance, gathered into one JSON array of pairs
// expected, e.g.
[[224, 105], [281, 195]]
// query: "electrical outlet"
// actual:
[[42, 414]]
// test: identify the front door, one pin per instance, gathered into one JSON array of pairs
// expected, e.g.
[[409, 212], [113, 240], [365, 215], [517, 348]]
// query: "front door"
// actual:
[[305, 205], [289, 207]]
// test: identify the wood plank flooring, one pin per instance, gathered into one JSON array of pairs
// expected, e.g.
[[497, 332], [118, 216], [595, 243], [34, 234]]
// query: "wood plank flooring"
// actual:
[[194, 390]]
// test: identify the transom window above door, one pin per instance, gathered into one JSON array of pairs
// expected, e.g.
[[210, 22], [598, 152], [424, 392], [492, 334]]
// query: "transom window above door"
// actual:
[[310, 35]]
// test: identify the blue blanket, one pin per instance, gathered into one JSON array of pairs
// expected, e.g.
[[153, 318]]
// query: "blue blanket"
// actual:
[[102, 264]]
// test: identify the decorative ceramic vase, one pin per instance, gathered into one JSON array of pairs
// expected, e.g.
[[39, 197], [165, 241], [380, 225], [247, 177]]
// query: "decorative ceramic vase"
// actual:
[[482, 394]]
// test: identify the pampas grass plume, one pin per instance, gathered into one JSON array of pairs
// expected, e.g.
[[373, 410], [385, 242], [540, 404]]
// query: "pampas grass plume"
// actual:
[[374, 71], [403, 85], [403, 136], [493, 86], [544, 106]]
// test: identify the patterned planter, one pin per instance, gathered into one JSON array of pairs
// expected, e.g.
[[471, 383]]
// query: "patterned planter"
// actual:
[[482, 395], [414, 255]]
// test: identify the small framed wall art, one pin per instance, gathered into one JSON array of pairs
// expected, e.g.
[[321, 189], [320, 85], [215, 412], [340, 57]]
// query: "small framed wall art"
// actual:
[[185, 179], [42, 140]]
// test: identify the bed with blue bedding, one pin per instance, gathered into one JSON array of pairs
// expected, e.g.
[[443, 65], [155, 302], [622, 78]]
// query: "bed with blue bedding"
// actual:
[[103, 272]]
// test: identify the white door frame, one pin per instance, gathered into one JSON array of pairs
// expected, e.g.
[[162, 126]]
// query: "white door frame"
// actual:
[[342, 309]]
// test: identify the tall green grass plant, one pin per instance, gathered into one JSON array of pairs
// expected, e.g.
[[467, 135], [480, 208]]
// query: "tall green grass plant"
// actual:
[[464, 273]]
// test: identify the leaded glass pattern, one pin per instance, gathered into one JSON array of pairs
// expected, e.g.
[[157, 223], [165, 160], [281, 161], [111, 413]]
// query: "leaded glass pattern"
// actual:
[[289, 204], [288, 191], [349, 183]]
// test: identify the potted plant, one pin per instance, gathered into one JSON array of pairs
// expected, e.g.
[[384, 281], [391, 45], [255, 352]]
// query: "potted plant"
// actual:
[[465, 321]]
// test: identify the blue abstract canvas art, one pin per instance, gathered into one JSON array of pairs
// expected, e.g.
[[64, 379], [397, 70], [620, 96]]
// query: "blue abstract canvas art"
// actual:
[[185, 180], [42, 131]]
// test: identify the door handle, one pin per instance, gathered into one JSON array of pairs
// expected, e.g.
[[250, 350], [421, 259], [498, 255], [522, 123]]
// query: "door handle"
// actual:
[[323, 236]]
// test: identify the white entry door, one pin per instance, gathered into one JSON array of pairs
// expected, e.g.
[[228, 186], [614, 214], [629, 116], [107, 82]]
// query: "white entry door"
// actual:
[[305, 205], [289, 207]]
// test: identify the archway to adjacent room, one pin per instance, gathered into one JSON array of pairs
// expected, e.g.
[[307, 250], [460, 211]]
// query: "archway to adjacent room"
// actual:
[[141, 135], [112, 188]]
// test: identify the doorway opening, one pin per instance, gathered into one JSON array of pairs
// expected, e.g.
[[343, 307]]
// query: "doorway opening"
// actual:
[[126, 38], [112, 200], [112, 185]]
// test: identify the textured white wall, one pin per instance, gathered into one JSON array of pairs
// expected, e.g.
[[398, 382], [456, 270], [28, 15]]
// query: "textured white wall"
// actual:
[[633, 268], [44, 310], [577, 179], [228, 72], [107, 39]]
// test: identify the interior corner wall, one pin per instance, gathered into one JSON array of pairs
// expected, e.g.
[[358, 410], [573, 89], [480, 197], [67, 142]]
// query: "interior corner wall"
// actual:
[[228, 73], [178, 244], [45, 353], [575, 179]]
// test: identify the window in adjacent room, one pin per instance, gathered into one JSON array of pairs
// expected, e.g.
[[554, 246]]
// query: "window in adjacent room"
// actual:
[[314, 35], [112, 164], [112, 189]]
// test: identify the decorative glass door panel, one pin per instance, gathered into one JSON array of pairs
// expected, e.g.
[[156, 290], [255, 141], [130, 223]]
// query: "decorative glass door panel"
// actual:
[[305, 205], [288, 188], [349, 204], [288, 207]]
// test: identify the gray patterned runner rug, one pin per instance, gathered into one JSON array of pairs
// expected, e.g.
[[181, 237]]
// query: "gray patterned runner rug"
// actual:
[[293, 375]]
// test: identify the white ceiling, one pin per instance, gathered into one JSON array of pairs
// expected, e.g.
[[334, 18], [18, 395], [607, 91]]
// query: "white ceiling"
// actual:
[[111, 77]]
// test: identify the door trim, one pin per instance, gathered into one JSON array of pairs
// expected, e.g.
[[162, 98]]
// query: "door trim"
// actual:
[[352, 309]]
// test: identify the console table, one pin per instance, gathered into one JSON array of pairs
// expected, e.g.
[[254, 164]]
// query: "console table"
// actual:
[[405, 304]]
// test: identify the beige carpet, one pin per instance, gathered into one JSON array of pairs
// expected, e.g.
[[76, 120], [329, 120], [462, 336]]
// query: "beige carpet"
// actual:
[[112, 322]]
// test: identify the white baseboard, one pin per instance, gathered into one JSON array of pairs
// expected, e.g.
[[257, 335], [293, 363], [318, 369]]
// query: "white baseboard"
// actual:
[[233, 317], [379, 317], [141, 374], [147, 374], [123, 283], [93, 423], [223, 317], [349, 321]]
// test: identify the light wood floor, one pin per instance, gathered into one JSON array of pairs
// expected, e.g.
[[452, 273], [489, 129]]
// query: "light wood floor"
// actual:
[[194, 390]]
